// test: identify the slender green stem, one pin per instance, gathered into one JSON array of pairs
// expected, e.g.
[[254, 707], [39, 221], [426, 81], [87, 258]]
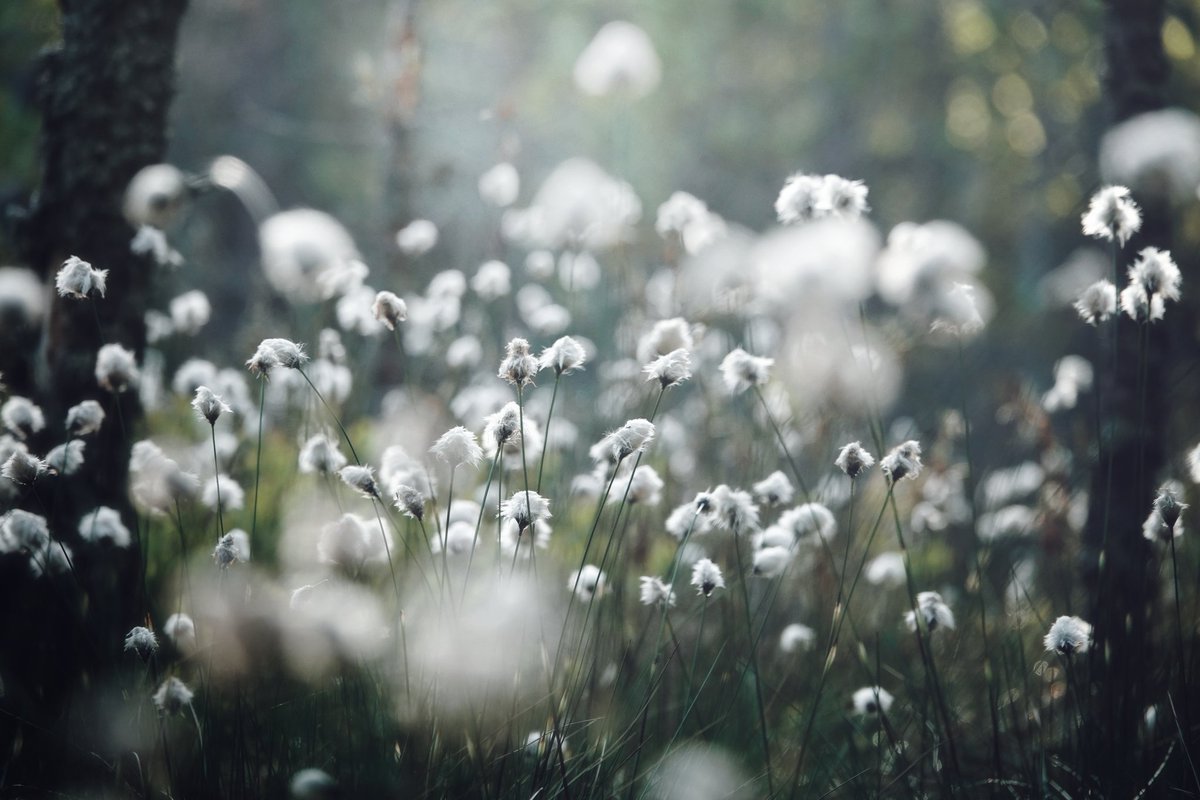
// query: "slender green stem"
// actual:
[[262, 394], [546, 436], [762, 717]]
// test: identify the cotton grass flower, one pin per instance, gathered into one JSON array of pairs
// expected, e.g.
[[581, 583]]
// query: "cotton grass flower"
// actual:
[[352, 542], [775, 489], [312, 784], [731, 509], [85, 418], [116, 369], [22, 417], [172, 697], [104, 526], [417, 238], [1156, 272], [78, 279], [796, 638], [1097, 303], [23, 469], [619, 59], [871, 700], [1192, 459], [854, 460], [222, 490], [519, 366], [670, 369], [588, 583], [1140, 306], [809, 521], [564, 356], [800, 198], [1067, 636], [232, 548], [654, 591], [180, 630], [409, 501], [321, 455], [66, 458], [1165, 520], [500, 185], [457, 446], [706, 577], [904, 461], [740, 370], [644, 488], [209, 405], [1112, 215], [525, 508], [389, 310], [770, 562], [360, 478], [886, 569], [272, 353], [141, 641], [190, 312], [935, 614], [23, 532]]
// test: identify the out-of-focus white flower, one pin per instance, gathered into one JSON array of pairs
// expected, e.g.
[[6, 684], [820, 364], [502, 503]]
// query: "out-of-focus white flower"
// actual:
[[1098, 302], [320, 454], [886, 569], [104, 526], [417, 238], [1067, 636], [1072, 375], [731, 509], [312, 784], [355, 312], [66, 458], [934, 612], [232, 548], [904, 461], [775, 489], [155, 196], [670, 369], [619, 59], [871, 700], [116, 368], [959, 314], [1154, 149], [796, 637], [181, 630], [693, 771], [654, 591], [231, 497], [1193, 464], [579, 205], [150, 241], [687, 520], [500, 185], [172, 697], [190, 312], [1112, 215], [588, 583], [666, 336], [706, 577], [1007, 521], [342, 278], [157, 482], [85, 418], [22, 417], [770, 562], [22, 297], [457, 446], [298, 247], [800, 198], [76, 278], [1140, 306], [644, 488], [389, 309], [353, 542], [360, 478], [809, 520], [492, 280], [740, 370]]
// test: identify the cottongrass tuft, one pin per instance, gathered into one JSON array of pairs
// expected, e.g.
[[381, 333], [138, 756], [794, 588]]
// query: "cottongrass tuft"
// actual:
[[670, 369], [1098, 302], [222, 490], [320, 455], [706, 577], [904, 461], [854, 460], [644, 488], [1192, 460], [525, 508], [22, 417], [173, 697], [181, 631], [23, 469], [142, 641], [232, 548], [272, 353], [770, 562], [116, 369], [1141, 306], [740, 370], [588, 583], [389, 309], [77, 278], [1067, 636], [1112, 215], [796, 638], [630, 438], [360, 478], [66, 458], [458, 446], [409, 501], [209, 405], [872, 700], [85, 418], [1166, 517], [564, 356], [809, 521], [519, 366], [731, 509], [104, 526], [23, 531], [775, 489], [935, 614], [655, 591]]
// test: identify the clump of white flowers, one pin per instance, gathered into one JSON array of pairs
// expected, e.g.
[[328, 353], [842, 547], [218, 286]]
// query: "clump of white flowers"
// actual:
[[904, 461], [935, 614], [1112, 215], [706, 577], [655, 591], [588, 583], [741, 370], [854, 460], [272, 353], [670, 369], [116, 368], [1166, 517], [172, 697], [807, 197], [389, 310], [1154, 279], [77, 278], [1098, 302], [1068, 635], [872, 700]]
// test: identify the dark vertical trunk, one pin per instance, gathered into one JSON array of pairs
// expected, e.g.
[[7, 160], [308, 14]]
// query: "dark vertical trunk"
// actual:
[[104, 93], [1131, 453]]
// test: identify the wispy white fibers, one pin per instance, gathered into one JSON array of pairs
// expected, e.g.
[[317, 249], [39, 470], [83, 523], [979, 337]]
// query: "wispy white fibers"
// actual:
[[298, 247], [1154, 149], [1067, 636], [578, 205], [1112, 215], [620, 59], [79, 279]]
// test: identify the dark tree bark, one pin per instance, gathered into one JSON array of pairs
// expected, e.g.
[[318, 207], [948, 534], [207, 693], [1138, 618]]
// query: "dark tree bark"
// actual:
[[1131, 451], [104, 93]]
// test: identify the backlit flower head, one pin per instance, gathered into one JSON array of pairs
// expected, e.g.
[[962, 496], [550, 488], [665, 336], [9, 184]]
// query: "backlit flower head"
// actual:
[[1157, 273], [457, 446], [22, 468], [230, 497], [742, 370], [800, 199], [706, 577], [1098, 302], [644, 488], [854, 460], [209, 405], [103, 525], [630, 438], [564, 356], [775, 489], [503, 428], [1112, 215], [843, 198], [904, 461], [770, 562], [872, 700], [142, 641], [518, 366], [360, 478], [1141, 306], [809, 521], [525, 508], [417, 238], [76, 278], [272, 353], [232, 548], [116, 368], [180, 629], [389, 309], [321, 455], [731, 509], [670, 369], [85, 418], [172, 697], [796, 637], [1068, 635], [22, 417], [1165, 521], [66, 458], [934, 613], [409, 501], [655, 591], [588, 583]]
